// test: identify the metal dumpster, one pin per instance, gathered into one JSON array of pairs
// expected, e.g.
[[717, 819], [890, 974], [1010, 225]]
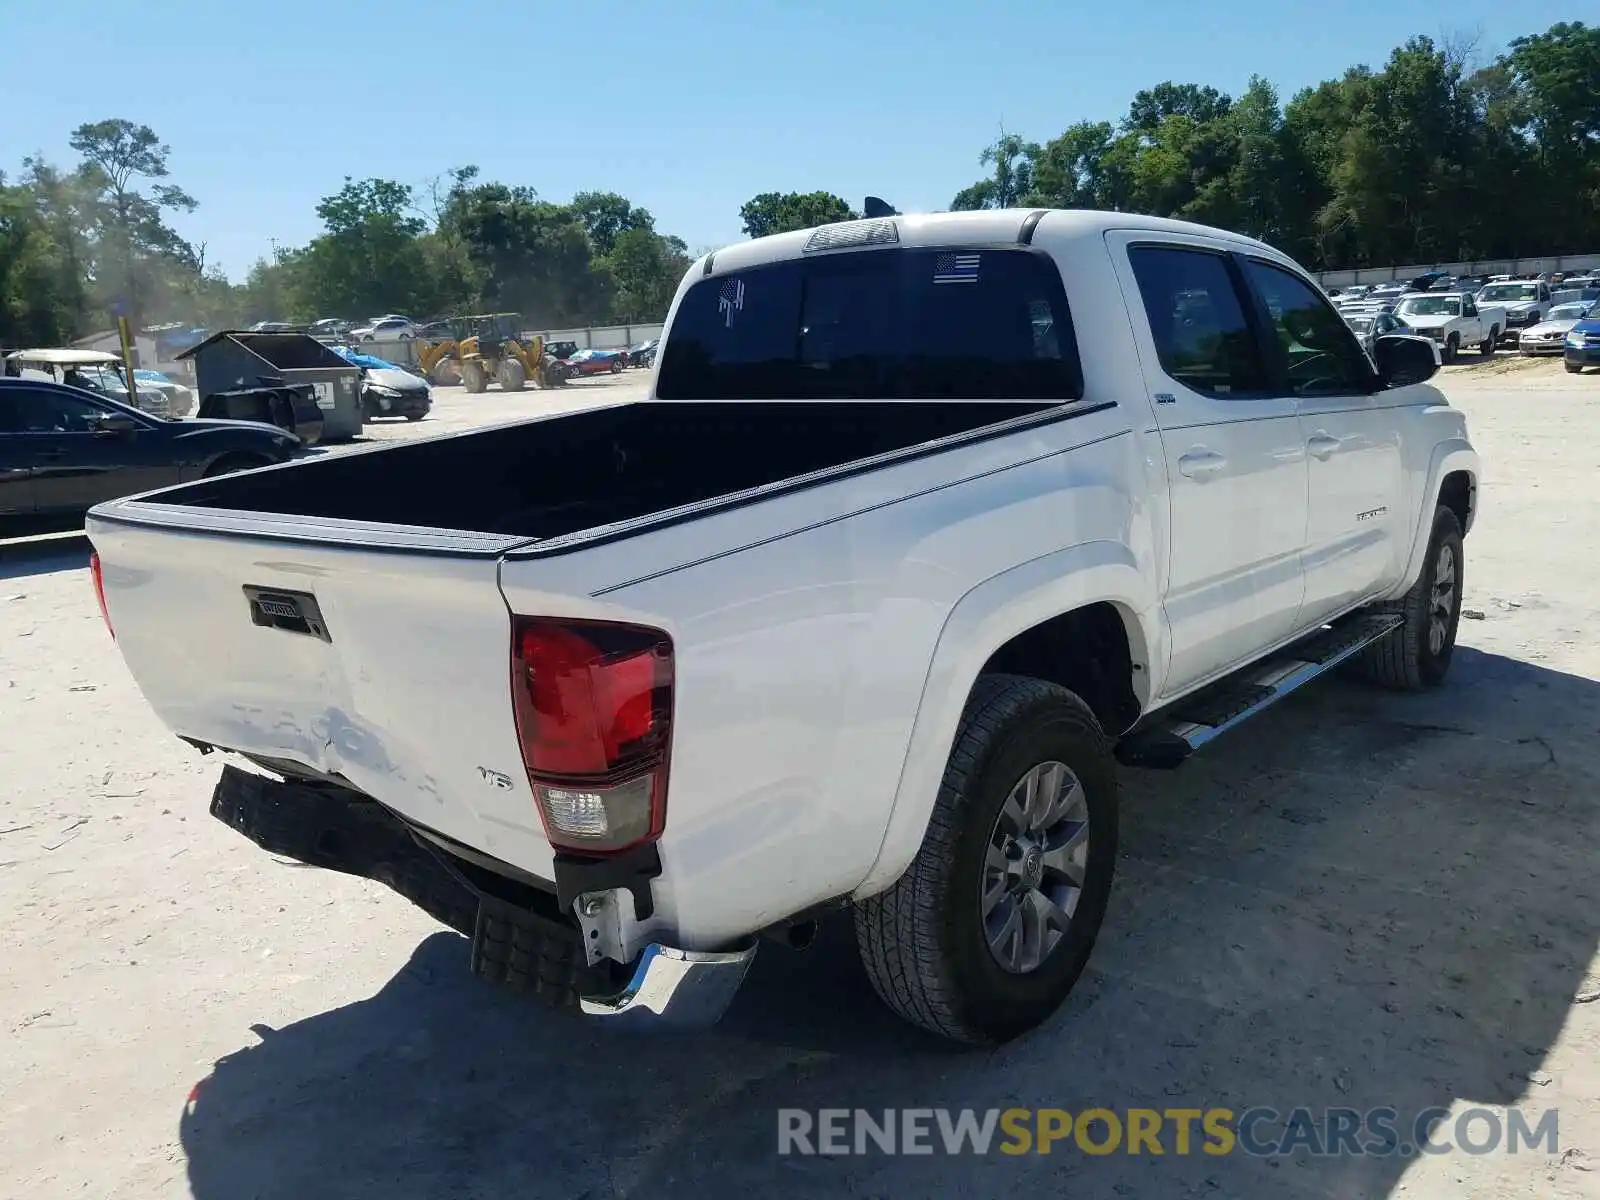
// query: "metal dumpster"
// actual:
[[235, 359], [292, 408]]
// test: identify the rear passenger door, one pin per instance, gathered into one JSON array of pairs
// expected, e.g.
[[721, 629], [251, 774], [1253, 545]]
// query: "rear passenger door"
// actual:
[[1235, 458], [1352, 438]]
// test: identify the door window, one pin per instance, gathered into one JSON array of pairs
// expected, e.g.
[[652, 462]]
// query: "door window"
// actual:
[[1320, 356], [1203, 338], [918, 324], [42, 410]]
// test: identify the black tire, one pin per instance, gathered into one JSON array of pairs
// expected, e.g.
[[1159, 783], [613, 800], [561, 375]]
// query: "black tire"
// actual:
[[415, 416], [229, 463], [1573, 368], [512, 376], [473, 377], [923, 941], [616, 366], [1452, 347], [1486, 347], [1407, 659]]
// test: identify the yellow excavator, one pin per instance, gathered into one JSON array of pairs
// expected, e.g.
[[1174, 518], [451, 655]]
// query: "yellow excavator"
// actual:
[[485, 348]]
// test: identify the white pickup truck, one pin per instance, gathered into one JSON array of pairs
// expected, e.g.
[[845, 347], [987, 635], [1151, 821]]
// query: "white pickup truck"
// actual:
[[1453, 320], [928, 522]]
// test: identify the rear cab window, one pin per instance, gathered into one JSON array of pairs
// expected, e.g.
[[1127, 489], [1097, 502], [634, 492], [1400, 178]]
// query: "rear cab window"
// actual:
[[970, 323], [1198, 320]]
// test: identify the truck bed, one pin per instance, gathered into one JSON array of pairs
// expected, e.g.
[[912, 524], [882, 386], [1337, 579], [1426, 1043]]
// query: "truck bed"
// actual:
[[572, 472]]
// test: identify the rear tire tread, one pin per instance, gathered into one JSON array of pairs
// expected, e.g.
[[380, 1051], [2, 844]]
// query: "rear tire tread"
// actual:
[[898, 931]]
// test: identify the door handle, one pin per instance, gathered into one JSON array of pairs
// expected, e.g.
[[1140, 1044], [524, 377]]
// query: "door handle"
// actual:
[[1321, 446], [1200, 464]]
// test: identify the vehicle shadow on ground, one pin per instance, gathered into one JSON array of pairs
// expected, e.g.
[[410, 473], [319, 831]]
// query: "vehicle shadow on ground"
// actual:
[[43, 556], [1360, 900]]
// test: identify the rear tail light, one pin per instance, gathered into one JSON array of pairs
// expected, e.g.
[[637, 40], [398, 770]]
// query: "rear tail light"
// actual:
[[100, 591], [593, 704]]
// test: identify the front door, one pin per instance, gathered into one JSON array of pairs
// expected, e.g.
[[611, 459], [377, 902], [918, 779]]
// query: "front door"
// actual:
[[75, 466], [1235, 459], [1352, 438]]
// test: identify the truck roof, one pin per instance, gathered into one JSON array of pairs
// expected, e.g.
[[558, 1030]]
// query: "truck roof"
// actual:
[[984, 228]]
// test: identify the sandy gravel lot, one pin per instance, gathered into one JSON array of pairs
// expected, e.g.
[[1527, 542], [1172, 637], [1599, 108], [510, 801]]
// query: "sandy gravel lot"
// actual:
[[1361, 900]]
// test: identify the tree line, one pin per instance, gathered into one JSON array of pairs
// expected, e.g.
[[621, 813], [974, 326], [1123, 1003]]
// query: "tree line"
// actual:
[[1433, 158], [1429, 160], [82, 245]]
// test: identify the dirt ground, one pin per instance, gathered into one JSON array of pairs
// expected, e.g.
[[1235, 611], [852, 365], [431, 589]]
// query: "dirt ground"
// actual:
[[1359, 900]]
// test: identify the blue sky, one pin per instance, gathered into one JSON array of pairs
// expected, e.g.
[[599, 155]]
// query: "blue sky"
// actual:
[[687, 108]]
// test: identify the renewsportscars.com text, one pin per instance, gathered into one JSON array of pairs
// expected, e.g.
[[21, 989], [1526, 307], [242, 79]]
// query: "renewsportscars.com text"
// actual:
[[1257, 1131]]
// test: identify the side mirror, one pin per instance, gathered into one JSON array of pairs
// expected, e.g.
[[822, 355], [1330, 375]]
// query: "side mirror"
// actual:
[[113, 424], [1404, 360]]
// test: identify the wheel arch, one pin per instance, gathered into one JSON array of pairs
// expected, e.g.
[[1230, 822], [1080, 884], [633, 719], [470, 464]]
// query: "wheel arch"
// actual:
[[1452, 481], [1036, 619]]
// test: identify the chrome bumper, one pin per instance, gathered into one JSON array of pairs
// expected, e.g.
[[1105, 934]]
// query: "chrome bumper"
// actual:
[[676, 989]]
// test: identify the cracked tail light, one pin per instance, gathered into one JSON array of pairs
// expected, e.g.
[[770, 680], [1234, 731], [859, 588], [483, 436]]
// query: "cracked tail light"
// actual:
[[593, 705]]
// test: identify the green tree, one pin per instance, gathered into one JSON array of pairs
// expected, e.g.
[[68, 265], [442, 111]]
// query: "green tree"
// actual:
[[531, 256], [1012, 163], [40, 289], [782, 212], [123, 166], [647, 268], [369, 260], [605, 216]]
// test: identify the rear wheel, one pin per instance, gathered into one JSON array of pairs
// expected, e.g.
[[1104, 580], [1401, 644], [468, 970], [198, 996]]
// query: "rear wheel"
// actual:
[[616, 365], [1486, 347], [229, 463], [992, 923]]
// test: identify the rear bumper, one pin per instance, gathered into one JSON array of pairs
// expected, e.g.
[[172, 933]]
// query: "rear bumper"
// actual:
[[680, 989], [520, 939]]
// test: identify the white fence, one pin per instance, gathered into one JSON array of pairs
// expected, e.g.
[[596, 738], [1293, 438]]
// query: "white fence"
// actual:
[[593, 337], [1502, 266], [602, 337]]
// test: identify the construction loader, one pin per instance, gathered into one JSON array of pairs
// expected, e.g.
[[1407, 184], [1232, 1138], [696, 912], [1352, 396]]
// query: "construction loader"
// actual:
[[489, 348]]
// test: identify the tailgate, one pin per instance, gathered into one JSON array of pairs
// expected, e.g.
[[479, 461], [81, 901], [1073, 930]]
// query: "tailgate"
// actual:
[[383, 659]]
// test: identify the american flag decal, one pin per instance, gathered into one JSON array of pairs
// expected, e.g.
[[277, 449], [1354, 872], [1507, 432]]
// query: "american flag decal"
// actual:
[[730, 300], [955, 268]]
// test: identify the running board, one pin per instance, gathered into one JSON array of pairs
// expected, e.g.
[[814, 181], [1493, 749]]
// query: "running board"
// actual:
[[1198, 719]]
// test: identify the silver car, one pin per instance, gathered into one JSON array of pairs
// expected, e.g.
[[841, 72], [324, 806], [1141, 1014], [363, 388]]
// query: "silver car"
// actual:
[[1549, 336]]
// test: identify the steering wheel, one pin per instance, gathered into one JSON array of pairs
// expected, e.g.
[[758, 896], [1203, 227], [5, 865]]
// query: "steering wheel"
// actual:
[[1319, 377]]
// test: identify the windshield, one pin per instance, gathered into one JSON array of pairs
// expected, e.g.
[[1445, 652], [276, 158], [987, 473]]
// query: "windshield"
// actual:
[[1432, 306], [1568, 312], [1360, 324], [1499, 293]]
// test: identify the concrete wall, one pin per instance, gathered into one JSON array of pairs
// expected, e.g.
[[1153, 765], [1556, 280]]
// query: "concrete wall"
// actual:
[[603, 337], [1500, 266]]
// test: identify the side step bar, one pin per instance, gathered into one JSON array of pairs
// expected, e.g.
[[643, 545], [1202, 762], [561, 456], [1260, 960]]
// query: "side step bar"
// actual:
[[1196, 720]]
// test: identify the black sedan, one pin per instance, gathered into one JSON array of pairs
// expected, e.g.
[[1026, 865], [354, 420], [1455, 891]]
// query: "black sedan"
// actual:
[[64, 450]]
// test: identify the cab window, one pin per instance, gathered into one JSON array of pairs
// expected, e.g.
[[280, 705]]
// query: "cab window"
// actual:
[[1319, 354], [1197, 319]]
